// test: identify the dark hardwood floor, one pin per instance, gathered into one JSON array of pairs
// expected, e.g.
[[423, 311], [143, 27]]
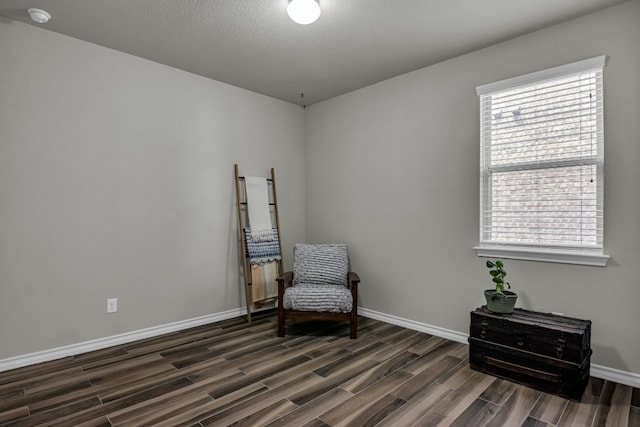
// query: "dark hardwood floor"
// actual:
[[232, 373]]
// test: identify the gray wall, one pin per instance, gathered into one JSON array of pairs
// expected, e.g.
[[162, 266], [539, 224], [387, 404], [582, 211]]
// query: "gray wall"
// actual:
[[392, 170], [116, 180]]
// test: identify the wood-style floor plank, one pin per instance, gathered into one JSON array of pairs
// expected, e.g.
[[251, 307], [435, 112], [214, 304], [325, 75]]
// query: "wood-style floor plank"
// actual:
[[516, 409], [358, 406], [479, 413], [579, 414], [234, 373], [307, 413], [418, 407]]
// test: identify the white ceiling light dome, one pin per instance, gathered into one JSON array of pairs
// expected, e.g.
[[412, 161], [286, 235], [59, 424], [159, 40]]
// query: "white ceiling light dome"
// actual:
[[39, 15], [304, 11]]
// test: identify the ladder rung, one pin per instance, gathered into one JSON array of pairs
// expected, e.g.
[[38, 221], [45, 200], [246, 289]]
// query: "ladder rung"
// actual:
[[268, 179], [270, 204]]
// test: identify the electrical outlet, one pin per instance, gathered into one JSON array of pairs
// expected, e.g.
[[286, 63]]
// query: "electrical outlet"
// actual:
[[112, 305]]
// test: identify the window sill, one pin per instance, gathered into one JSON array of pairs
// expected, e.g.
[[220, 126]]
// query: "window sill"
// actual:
[[546, 255]]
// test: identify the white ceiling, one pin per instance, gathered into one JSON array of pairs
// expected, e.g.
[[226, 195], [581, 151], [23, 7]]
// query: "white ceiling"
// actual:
[[254, 45]]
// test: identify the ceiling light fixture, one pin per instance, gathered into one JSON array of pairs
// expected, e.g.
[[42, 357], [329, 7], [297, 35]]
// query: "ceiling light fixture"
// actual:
[[304, 11], [39, 15]]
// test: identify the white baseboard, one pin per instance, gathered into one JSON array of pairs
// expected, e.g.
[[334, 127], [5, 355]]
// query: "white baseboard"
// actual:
[[100, 343], [416, 326], [603, 372], [615, 375]]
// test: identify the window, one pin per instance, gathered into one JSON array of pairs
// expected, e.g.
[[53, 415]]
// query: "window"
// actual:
[[541, 163]]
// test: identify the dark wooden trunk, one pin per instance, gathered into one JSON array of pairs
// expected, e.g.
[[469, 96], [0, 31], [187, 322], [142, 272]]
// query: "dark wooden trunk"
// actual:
[[548, 352]]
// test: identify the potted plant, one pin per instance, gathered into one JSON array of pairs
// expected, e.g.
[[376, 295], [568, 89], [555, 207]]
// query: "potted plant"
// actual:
[[499, 300]]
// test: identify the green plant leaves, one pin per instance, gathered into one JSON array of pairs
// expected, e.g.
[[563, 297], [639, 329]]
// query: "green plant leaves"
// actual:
[[498, 274]]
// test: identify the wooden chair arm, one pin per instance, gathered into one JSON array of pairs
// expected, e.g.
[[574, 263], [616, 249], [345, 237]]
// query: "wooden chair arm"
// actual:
[[285, 279], [353, 277]]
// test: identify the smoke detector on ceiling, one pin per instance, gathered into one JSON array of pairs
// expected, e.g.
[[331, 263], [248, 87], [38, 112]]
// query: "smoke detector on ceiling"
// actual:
[[39, 15]]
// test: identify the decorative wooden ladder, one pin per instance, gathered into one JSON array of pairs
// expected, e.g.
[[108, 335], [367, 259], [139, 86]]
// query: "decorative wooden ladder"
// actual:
[[242, 207]]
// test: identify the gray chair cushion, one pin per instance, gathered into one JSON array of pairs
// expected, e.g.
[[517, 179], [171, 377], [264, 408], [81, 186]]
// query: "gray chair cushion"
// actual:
[[318, 297], [320, 264]]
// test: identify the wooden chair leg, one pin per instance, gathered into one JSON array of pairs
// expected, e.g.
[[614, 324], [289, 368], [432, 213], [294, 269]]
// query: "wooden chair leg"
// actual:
[[281, 321], [353, 282], [281, 316], [354, 325]]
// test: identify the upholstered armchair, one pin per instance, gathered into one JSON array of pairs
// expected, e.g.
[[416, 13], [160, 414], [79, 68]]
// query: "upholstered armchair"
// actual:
[[320, 287]]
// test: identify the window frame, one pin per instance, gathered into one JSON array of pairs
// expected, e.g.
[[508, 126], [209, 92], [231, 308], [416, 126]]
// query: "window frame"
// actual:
[[585, 256]]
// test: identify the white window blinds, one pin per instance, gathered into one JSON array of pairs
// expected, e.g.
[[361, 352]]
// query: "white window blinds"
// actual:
[[541, 159]]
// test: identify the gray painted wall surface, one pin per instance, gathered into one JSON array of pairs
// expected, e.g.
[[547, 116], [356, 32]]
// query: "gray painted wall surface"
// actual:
[[392, 170], [116, 181]]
